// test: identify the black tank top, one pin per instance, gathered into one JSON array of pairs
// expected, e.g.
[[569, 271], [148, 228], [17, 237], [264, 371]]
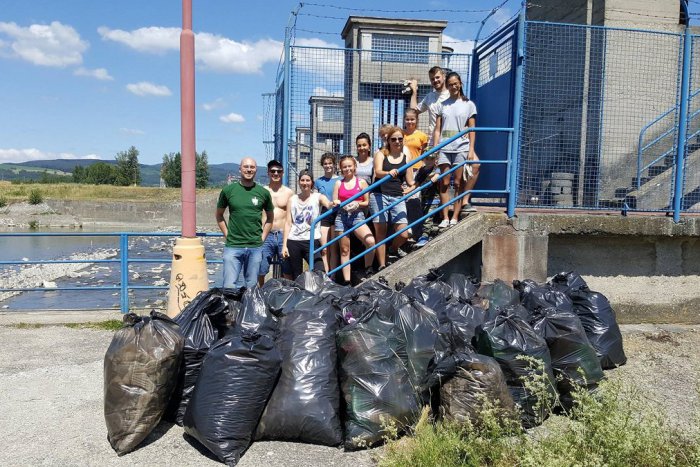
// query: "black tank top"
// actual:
[[392, 187]]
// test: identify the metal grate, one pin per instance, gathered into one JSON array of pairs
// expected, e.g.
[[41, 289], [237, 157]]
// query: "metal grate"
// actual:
[[385, 46]]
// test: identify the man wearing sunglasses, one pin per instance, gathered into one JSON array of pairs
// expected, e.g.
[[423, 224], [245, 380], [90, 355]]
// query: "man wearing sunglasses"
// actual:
[[245, 231], [272, 248]]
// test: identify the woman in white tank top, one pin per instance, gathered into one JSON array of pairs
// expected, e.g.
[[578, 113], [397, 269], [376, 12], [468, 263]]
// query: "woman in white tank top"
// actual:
[[301, 211]]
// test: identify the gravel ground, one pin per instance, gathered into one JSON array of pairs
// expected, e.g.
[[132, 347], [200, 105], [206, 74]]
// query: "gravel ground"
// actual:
[[51, 409]]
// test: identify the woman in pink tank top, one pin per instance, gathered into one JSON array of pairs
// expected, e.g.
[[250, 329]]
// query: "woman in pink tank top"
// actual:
[[352, 213]]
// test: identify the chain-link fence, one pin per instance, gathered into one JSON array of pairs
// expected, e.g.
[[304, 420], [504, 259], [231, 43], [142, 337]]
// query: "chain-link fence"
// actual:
[[600, 110], [335, 94]]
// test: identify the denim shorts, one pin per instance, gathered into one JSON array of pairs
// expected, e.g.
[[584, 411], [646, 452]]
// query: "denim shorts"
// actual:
[[344, 220], [452, 158], [395, 215]]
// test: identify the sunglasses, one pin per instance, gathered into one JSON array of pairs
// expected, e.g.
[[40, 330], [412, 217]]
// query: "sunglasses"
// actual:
[[396, 140], [276, 171]]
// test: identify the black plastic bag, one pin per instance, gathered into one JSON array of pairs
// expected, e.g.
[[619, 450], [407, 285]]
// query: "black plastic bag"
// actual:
[[458, 322], [419, 325], [597, 318], [463, 287], [505, 339], [140, 373], [496, 295], [305, 404], [236, 378], [460, 383], [380, 298], [281, 295], [319, 283], [429, 289], [574, 360], [375, 383], [534, 296], [204, 321]]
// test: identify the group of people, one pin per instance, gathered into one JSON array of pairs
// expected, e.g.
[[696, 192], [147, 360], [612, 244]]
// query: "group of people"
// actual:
[[272, 222]]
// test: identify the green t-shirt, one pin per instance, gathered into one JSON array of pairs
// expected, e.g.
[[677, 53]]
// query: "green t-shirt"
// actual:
[[245, 206]]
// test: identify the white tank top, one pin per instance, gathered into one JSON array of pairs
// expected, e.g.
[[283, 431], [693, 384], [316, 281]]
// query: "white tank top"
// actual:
[[303, 212]]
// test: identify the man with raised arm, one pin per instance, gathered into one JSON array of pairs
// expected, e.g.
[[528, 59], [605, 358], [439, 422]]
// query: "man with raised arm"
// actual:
[[432, 99], [272, 248], [245, 231]]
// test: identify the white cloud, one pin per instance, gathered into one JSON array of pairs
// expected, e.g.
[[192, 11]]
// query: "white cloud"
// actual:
[[144, 88], [98, 73], [213, 52], [9, 156], [56, 44], [460, 46], [215, 104], [232, 118], [132, 131], [322, 58]]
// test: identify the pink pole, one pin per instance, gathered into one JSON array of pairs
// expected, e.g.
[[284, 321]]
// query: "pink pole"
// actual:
[[187, 138]]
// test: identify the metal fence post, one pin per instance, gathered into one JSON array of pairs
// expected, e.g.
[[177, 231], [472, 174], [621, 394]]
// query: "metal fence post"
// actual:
[[514, 165], [124, 272], [683, 126], [287, 113]]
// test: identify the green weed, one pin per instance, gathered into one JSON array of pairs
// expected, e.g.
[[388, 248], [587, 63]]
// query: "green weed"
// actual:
[[35, 196]]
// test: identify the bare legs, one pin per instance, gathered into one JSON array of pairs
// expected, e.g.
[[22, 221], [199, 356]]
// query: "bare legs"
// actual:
[[365, 236]]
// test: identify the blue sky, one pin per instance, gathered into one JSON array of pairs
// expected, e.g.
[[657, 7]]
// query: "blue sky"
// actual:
[[89, 78]]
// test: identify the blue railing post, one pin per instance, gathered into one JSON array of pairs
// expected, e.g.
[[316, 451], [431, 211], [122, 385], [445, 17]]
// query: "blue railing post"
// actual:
[[683, 126], [287, 111], [514, 165], [124, 264]]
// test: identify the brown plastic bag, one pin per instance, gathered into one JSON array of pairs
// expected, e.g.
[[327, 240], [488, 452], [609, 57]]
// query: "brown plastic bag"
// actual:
[[140, 372]]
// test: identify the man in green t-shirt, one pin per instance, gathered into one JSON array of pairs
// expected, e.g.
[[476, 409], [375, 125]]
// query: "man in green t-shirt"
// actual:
[[245, 231]]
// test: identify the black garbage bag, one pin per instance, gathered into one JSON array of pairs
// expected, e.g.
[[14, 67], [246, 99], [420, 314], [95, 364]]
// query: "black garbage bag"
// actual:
[[204, 321], [305, 404], [574, 360], [375, 383], [419, 325], [505, 339], [458, 322], [460, 383], [140, 373], [463, 287], [236, 378], [567, 281], [281, 295], [597, 318], [429, 289], [496, 295], [534, 296], [380, 297]]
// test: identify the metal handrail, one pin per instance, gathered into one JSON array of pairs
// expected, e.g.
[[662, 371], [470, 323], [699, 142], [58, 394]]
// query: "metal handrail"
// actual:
[[123, 260], [314, 222]]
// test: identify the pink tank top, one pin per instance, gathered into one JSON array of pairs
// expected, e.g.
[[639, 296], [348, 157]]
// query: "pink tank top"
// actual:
[[345, 194]]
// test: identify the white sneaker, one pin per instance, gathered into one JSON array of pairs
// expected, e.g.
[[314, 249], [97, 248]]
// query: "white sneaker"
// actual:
[[453, 222], [444, 224]]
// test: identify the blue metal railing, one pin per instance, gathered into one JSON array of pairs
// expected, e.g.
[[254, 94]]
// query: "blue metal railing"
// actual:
[[123, 260], [505, 191]]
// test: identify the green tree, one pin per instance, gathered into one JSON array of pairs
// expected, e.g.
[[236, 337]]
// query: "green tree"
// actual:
[[171, 170], [101, 173], [127, 170], [202, 169], [79, 174]]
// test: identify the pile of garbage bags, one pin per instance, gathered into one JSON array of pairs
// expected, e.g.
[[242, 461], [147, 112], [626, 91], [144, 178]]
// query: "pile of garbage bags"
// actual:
[[311, 361]]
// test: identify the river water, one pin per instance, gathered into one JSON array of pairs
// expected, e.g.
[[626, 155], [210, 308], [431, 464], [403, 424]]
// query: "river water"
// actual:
[[35, 248]]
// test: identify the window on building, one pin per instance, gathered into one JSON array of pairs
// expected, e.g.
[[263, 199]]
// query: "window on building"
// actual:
[[332, 114], [399, 48]]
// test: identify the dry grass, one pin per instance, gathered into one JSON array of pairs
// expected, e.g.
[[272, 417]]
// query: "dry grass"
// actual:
[[73, 191]]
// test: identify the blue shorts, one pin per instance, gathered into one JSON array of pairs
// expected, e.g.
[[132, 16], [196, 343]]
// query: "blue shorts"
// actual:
[[272, 253], [344, 220], [395, 215]]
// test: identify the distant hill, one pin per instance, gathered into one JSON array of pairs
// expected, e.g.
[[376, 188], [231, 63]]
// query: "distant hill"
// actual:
[[150, 174]]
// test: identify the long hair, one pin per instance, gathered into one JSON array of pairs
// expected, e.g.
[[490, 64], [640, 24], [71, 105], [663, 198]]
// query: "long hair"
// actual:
[[454, 74]]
